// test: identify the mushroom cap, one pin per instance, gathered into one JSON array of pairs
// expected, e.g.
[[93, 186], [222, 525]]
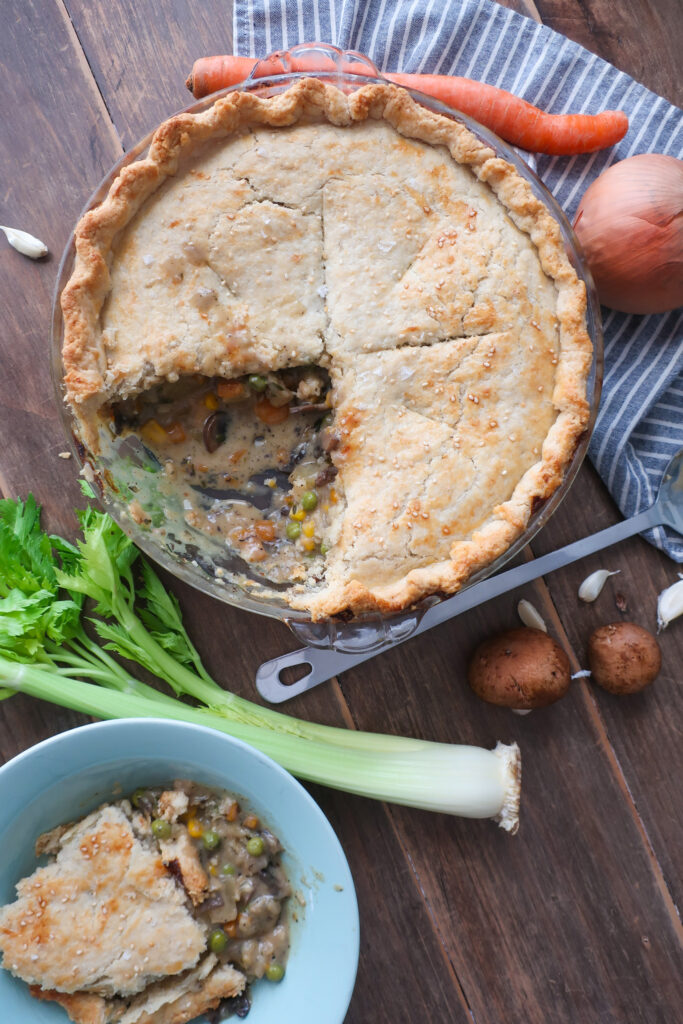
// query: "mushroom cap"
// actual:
[[623, 657], [521, 668]]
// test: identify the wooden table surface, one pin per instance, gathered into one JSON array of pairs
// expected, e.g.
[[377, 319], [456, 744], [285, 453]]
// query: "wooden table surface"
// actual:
[[572, 920]]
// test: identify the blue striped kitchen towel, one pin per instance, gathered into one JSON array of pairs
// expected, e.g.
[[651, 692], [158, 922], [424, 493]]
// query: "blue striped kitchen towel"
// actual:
[[640, 424]]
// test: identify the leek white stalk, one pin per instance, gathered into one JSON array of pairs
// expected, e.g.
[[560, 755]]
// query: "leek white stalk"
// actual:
[[448, 778]]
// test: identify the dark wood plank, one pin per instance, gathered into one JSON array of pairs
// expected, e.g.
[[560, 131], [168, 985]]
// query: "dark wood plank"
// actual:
[[643, 39], [145, 51], [58, 142], [639, 727], [525, 920], [404, 973]]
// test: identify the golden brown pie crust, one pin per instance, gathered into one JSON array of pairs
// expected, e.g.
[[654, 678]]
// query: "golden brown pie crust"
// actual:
[[440, 298]]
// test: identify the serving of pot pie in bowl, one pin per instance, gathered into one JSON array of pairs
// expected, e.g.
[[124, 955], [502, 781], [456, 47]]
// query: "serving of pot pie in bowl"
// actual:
[[323, 349]]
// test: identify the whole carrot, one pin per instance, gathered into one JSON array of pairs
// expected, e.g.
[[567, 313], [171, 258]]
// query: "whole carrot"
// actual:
[[520, 122], [515, 120]]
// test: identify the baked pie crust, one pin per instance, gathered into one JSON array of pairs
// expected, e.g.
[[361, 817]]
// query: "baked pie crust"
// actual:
[[368, 235]]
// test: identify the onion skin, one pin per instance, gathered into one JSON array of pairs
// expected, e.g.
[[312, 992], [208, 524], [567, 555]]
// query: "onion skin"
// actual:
[[630, 225]]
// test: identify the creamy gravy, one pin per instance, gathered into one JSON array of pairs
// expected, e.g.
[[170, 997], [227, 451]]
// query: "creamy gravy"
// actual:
[[248, 460]]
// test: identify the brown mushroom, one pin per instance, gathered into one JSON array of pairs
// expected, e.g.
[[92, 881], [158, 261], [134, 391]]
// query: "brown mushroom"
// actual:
[[521, 668], [215, 430], [623, 657]]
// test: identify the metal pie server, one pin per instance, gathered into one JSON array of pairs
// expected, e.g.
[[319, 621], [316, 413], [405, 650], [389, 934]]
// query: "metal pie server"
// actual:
[[325, 663]]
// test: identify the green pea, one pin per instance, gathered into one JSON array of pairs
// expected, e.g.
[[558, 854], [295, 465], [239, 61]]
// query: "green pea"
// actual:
[[324, 548], [257, 382], [255, 846], [161, 829], [293, 530], [137, 797], [157, 516], [309, 501], [210, 839], [218, 940], [227, 869], [275, 972]]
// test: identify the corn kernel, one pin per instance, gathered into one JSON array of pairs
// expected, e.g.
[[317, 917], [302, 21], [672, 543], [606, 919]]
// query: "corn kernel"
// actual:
[[213, 870], [309, 545], [153, 432], [334, 497], [298, 515], [308, 529], [194, 828], [251, 821], [210, 401]]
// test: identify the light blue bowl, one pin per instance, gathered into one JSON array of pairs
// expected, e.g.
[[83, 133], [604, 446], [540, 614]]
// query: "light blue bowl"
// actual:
[[65, 777]]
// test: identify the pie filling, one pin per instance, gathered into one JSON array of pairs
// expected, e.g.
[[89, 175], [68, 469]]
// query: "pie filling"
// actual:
[[249, 461]]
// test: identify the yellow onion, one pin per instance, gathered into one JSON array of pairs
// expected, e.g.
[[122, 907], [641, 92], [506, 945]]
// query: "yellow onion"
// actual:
[[630, 225]]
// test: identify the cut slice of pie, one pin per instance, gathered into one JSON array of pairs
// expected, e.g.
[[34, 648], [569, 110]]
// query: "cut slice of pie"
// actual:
[[442, 451], [383, 244]]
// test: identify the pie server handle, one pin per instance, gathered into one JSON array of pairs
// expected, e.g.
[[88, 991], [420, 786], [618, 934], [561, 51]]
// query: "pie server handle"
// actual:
[[324, 663]]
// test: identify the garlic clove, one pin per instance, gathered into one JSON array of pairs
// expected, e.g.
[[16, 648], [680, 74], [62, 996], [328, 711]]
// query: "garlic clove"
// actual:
[[25, 243], [591, 587], [670, 604], [530, 616]]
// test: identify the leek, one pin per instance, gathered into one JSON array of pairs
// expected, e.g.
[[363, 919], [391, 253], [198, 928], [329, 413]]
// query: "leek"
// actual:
[[45, 652]]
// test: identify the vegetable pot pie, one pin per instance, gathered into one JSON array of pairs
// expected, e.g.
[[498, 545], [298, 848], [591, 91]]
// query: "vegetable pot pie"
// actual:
[[151, 910], [345, 331]]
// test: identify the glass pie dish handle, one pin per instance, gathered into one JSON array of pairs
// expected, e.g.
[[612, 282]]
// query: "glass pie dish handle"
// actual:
[[319, 57], [323, 664]]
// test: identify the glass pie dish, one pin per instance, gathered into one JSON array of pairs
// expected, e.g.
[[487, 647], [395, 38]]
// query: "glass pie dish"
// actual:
[[121, 470]]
